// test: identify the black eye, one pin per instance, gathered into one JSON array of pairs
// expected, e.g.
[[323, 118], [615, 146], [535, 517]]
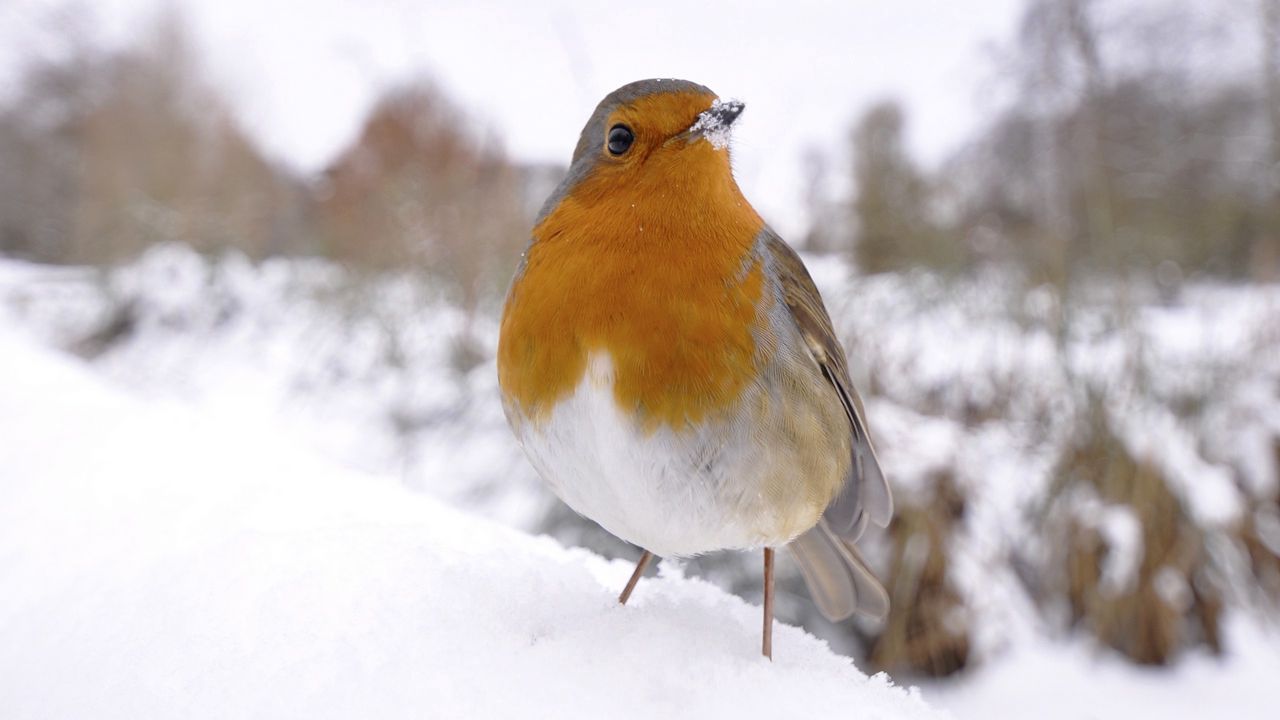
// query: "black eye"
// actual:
[[620, 138]]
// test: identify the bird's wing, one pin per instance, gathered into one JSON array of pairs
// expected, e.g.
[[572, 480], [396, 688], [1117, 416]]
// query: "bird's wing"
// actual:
[[865, 495]]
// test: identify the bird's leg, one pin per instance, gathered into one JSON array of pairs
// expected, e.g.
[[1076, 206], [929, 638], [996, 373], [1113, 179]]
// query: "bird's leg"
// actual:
[[635, 577], [768, 603]]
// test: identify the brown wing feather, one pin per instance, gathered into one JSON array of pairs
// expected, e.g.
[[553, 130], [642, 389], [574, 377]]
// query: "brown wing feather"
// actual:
[[865, 494]]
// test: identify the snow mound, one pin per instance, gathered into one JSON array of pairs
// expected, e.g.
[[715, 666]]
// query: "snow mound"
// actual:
[[157, 563]]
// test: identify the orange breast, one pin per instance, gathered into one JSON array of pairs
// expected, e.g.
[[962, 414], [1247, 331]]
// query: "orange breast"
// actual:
[[659, 275]]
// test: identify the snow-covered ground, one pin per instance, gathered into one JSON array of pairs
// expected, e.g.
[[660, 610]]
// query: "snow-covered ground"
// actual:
[[239, 452], [157, 563], [1072, 680]]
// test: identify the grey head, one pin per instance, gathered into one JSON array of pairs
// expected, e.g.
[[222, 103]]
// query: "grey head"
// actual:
[[589, 139], [587, 153]]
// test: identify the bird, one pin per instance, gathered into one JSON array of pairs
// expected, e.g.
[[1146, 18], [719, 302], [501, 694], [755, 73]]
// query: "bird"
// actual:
[[668, 367]]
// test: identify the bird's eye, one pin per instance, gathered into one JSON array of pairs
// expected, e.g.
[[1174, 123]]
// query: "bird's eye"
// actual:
[[620, 139]]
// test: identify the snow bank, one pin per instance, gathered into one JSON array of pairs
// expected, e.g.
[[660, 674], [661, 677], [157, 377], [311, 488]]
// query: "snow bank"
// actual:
[[1055, 680], [156, 563]]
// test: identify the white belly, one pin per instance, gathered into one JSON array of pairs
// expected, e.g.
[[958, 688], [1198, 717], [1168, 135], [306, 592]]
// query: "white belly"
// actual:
[[675, 494]]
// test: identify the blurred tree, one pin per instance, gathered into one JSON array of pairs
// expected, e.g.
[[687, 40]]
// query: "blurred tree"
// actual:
[[104, 153], [418, 190], [827, 226], [164, 160], [1266, 263], [41, 134], [1117, 151], [891, 209]]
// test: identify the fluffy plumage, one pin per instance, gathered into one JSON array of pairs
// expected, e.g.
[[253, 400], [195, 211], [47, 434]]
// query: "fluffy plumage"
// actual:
[[668, 366]]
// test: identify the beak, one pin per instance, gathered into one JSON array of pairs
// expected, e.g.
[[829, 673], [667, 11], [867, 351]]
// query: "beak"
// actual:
[[714, 123]]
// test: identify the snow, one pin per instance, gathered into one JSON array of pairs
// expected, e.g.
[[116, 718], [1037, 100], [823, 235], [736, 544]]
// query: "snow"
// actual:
[[1122, 531], [258, 424], [1072, 681], [159, 562], [713, 127], [359, 374], [1208, 490]]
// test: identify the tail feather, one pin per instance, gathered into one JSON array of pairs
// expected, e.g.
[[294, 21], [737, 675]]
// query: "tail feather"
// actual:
[[839, 580]]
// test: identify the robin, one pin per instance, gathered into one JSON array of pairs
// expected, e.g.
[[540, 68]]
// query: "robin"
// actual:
[[668, 366]]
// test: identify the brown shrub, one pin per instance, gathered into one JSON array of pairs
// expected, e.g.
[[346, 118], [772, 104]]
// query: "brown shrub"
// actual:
[[417, 190], [1173, 599]]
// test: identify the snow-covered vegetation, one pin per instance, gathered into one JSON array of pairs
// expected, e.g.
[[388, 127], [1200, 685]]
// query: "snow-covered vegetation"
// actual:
[[1011, 549]]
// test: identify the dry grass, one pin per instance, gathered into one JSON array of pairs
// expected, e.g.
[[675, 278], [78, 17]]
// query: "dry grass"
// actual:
[[926, 631], [1173, 598], [1258, 532]]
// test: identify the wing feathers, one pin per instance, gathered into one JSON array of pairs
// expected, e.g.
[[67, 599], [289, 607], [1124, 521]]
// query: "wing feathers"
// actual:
[[838, 578], [865, 495]]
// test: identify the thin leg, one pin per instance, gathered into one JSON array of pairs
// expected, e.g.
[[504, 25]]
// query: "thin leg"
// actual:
[[635, 577], [768, 603]]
